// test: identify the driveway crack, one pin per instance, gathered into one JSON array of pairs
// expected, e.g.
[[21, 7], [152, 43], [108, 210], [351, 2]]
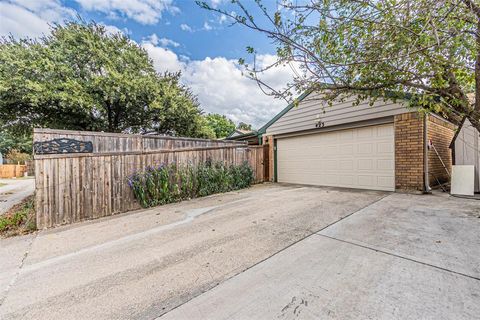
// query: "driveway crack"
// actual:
[[399, 256], [20, 267], [279, 251]]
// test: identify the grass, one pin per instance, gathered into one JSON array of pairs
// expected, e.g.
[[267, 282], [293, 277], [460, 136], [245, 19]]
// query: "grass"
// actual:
[[20, 219]]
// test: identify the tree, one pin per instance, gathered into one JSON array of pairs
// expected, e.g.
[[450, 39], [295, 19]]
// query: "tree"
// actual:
[[244, 126], [20, 142], [176, 111], [82, 77], [220, 124], [426, 49]]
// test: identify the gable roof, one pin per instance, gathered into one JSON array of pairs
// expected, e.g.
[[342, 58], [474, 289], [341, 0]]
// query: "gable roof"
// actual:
[[263, 129], [239, 132], [457, 132]]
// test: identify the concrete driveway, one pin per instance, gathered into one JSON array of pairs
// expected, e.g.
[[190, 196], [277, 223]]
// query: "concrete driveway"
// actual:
[[13, 191], [271, 251]]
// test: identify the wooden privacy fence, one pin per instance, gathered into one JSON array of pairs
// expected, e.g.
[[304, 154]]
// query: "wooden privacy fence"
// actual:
[[83, 175], [12, 170]]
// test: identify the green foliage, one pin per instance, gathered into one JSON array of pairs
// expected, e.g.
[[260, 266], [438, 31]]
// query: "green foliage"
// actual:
[[220, 124], [20, 142], [244, 126], [372, 49], [20, 220], [203, 129], [17, 157], [169, 183], [82, 77]]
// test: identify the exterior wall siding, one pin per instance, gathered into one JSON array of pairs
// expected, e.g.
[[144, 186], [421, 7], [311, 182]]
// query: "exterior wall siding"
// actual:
[[466, 146], [409, 152], [313, 109], [440, 133]]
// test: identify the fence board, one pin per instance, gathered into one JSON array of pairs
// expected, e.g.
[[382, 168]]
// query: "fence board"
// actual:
[[12, 170], [74, 187]]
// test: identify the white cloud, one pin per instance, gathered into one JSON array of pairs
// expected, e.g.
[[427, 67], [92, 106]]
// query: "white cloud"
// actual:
[[222, 88], [186, 27], [114, 30], [216, 3], [206, 26], [24, 18], [222, 19], [163, 59], [142, 11], [168, 43], [163, 42]]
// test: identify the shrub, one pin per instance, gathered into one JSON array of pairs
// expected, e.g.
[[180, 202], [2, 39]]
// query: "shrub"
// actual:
[[16, 157], [19, 219], [170, 183]]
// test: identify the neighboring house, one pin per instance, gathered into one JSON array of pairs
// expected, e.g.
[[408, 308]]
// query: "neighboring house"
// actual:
[[250, 136], [238, 132], [379, 147], [465, 147]]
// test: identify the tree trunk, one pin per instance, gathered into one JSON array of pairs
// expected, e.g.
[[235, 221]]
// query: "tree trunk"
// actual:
[[109, 117]]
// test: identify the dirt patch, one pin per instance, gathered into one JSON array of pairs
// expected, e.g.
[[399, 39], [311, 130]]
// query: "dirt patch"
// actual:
[[19, 219]]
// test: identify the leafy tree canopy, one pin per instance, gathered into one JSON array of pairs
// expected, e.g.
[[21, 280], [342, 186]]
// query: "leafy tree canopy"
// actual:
[[20, 142], [82, 77], [220, 124], [428, 49], [244, 126]]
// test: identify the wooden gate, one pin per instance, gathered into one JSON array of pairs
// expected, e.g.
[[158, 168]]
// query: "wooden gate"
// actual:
[[259, 160]]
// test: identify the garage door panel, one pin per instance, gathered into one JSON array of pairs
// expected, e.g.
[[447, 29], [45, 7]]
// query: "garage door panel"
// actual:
[[385, 147], [365, 148], [366, 164], [385, 165], [366, 181], [346, 149], [384, 131], [346, 165], [365, 133], [385, 182], [345, 135], [354, 158], [347, 180]]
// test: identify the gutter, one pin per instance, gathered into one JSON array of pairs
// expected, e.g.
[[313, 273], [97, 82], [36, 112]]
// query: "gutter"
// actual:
[[426, 182]]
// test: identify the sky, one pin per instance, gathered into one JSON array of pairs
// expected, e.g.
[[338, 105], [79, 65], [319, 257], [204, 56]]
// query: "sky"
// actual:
[[178, 36]]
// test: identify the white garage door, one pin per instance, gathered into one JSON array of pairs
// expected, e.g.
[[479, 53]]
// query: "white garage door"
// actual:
[[355, 158]]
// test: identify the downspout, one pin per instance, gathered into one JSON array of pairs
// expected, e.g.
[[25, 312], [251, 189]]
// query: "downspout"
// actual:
[[426, 182]]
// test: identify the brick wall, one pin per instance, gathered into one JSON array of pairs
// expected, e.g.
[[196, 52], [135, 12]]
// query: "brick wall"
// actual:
[[409, 151], [440, 133]]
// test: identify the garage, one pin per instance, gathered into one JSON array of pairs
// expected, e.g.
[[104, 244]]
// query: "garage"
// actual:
[[351, 142], [354, 158]]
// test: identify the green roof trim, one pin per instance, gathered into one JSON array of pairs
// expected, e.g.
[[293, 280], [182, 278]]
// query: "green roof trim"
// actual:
[[253, 133], [263, 129]]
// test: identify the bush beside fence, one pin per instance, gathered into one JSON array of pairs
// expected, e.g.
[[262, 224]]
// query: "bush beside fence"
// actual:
[[171, 183], [72, 187]]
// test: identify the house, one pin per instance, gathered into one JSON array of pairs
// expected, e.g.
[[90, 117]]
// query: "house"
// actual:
[[379, 147], [250, 136], [465, 148]]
